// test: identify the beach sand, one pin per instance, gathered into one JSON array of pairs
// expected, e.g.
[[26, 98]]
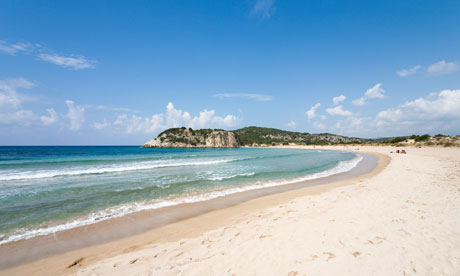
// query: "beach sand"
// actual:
[[403, 218]]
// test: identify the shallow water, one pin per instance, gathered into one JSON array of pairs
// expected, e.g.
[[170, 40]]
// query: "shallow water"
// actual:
[[47, 189]]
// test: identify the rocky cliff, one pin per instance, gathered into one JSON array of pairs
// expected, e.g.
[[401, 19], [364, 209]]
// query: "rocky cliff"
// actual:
[[189, 138]]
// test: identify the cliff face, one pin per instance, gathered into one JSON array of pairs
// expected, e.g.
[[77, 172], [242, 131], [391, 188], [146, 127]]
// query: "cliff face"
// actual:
[[189, 138]]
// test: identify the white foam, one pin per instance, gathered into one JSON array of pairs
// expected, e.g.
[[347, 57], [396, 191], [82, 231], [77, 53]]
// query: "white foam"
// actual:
[[118, 211], [220, 178], [107, 169]]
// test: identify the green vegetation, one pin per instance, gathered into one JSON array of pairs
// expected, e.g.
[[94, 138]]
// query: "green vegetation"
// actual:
[[249, 136], [185, 135], [397, 140], [272, 136], [176, 135], [419, 138], [425, 140], [400, 139]]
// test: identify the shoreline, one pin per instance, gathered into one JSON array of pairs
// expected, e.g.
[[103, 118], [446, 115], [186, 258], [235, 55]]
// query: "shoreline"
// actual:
[[341, 167], [101, 232]]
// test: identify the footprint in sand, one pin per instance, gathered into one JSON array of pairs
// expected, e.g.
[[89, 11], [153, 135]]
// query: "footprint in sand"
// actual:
[[329, 255], [76, 262], [159, 253], [264, 236]]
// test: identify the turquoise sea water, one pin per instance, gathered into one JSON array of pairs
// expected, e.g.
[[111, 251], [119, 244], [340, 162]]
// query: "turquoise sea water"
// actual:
[[47, 189]]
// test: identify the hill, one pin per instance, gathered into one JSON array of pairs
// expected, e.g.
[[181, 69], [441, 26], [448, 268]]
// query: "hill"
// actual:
[[190, 138], [268, 136]]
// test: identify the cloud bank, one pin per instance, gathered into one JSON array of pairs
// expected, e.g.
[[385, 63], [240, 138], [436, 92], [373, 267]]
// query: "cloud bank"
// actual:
[[172, 118]]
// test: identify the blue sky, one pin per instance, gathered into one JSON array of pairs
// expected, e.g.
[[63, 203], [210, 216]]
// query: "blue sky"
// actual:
[[119, 72]]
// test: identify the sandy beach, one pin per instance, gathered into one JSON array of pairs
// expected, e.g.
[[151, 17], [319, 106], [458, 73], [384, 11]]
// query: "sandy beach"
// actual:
[[400, 219], [250, 137]]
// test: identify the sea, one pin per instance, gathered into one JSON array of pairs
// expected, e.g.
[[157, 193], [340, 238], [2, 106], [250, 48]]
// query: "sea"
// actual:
[[45, 189]]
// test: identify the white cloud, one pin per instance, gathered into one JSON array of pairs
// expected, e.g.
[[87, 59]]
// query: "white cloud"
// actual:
[[263, 8], [51, 119], [257, 97], [78, 62], [15, 48], [21, 116], [311, 113], [338, 99], [101, 125], [70, 61], [438, 106], [12, 84], [339, 111], [319, 125], [76, 115], [292, 124], [173, 118], [375, 92], [352, 125], [356, 121], [9, 98], [442, 67], [359, 102], [176, 117], [408, 72], [134, 123], [11, 110], [208, 118], [437, 113]]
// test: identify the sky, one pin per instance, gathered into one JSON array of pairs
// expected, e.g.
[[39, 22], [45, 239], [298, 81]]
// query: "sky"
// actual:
[[120, 72]]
